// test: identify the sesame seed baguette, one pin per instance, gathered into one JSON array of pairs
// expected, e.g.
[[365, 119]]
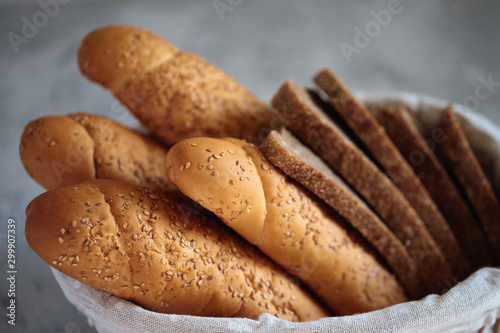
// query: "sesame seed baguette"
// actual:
[[231, 178], [404, 131], [64, 150], [175, 94], [296, 160], [309, 122], [160, 253], [460, 159]]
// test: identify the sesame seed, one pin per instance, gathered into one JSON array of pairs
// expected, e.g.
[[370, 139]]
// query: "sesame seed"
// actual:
[[211, 167], [63, 231], [73, 223], [61, 240], [187, 165]]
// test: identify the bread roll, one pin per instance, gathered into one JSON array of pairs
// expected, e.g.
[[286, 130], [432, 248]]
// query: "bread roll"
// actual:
[[159, 253], [175, 94], [231, 178], [64, 150]]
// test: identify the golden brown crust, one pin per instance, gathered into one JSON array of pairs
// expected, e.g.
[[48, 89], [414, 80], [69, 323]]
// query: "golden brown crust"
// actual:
[[56, 151], [112, 54], [235, 194], [404, 132], [124, 154], [177, 95], [299, 232], [160, 253], [306, 120], [460, 159], [298, 162], [64, 150]]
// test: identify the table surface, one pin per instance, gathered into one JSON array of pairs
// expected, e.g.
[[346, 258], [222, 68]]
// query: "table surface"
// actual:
[[447, 49]]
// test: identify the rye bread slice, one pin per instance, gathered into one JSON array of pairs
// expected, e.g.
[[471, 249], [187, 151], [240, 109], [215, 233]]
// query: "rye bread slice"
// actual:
[[388, 157], [460, 159], [297, 161], [404, 131], [310, 123]]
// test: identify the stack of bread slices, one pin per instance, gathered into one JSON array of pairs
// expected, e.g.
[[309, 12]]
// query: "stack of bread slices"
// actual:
[[317, 205]]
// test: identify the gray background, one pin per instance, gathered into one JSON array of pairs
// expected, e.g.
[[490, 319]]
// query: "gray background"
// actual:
[[442, 48]]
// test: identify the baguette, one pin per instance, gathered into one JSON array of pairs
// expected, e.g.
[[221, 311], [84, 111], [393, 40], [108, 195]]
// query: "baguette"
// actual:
[[296, 160], [383, 150], [65, 150], [311, 124], [460, 159], [175, 94], [160, 254], [231, 178], [404, 131]]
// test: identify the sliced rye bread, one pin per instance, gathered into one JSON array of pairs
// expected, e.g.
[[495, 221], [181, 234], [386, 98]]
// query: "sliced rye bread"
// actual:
[[297, 161], [308, 122], [385, 153], [404, 131], [460, 159]]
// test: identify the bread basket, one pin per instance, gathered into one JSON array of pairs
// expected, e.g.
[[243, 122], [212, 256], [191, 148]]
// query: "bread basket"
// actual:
[[470, 306]]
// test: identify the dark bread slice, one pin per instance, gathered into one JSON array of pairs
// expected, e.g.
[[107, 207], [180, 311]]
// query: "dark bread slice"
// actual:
[[462, 162], [308, 122], [385, 153], [296, 160], [403, 129]]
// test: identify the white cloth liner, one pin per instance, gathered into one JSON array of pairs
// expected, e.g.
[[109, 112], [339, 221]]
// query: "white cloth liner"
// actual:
[[471, 306]]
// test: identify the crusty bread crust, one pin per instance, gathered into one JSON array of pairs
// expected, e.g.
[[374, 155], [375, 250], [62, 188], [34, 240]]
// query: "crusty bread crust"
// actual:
[[64, 150], [57, 151], [385, 153], [299, 232], [306, 120], [297, 161], [160, 253], [175, 94], [403, 131], [460, 159]]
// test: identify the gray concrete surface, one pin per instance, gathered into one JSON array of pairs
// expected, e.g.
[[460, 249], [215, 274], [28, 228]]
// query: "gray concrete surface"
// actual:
[[447, 49]]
